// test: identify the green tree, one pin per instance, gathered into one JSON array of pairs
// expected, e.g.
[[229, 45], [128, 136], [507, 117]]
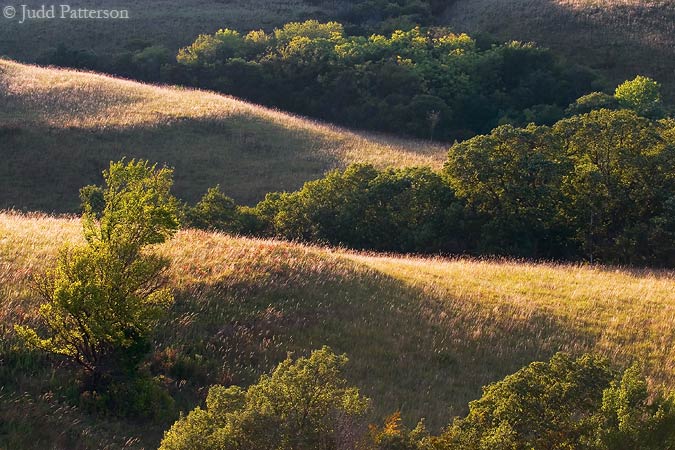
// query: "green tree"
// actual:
[[566, 403], [102, 299], [630, 420], [304, 404], [511, 180], [620, 181], [642, 94], [215, 211]]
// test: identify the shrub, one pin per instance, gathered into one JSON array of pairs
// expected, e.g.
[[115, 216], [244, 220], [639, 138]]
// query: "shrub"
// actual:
[[215, 211], [642, 94], [303, 405]]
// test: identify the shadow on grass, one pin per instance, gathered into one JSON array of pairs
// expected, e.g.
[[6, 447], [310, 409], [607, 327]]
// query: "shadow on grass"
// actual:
[[621, 40], [44, 168], [409, 349]]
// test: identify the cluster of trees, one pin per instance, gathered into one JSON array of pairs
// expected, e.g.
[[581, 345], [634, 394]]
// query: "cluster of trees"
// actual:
[[307, 404], [149, 60], [598, 186], [428, 83]]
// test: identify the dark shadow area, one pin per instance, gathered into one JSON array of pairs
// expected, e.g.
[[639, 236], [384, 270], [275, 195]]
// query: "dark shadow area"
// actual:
[[620, 41], [44, 168]]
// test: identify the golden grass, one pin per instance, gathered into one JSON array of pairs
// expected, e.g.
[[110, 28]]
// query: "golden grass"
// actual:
[[423, 334], [71, 124]]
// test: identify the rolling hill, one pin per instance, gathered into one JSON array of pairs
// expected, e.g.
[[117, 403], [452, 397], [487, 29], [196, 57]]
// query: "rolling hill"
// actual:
[[423, 335], [619, 38], [60, 128]]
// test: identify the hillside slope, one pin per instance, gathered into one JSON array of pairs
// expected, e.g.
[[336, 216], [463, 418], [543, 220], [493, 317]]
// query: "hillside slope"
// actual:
[[620, 38], [423, 335], [60, 128], [169, 23]]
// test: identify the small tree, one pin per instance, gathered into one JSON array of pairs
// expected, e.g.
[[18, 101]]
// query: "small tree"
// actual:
[[215, 211], [102, 299], [303, 405]]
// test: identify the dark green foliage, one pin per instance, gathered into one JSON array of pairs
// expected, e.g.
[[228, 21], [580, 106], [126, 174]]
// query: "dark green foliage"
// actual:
[[511, 180], [429, 83], [215, 211], [596, 185], [303, 405], [563, 404], [622, 177], [139, 397], [411, 210], [592, 102]]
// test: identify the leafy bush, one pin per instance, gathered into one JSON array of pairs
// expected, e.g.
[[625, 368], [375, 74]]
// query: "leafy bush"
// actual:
[[642, 94], [139, 397], [215, 211], [565, 403], [361, 207], [303, 405]]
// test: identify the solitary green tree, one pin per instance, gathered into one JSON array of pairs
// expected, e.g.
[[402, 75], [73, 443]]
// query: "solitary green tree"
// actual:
[[102, 298]]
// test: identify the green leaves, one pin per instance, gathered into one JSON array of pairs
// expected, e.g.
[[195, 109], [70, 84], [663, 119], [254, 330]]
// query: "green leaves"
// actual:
[[563, 404], [642, 94], [304, 404], [102, 299]]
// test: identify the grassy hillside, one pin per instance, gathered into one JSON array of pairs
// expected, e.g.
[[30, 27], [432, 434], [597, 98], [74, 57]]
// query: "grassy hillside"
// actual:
[[60, 128], [166, 22], [423, 335], [621, 38]]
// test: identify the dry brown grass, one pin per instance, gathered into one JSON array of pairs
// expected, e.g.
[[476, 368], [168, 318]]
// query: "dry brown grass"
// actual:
[[68, 125], [423, 334]]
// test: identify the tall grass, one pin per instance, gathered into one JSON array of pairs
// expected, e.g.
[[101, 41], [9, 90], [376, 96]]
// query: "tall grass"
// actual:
[[60, 128], [620, 38], [423, 334]]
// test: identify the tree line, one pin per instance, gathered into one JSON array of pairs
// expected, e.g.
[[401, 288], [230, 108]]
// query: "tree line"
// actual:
[[598, 186], [425, 82]]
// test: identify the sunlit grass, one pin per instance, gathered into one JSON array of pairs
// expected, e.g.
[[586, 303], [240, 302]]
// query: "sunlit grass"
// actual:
[[61, 127], [423, 334]]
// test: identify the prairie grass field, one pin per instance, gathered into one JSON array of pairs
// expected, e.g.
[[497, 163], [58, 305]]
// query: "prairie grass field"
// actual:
[[109, 342], [60, 128], [619, 38], [423, 334]]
